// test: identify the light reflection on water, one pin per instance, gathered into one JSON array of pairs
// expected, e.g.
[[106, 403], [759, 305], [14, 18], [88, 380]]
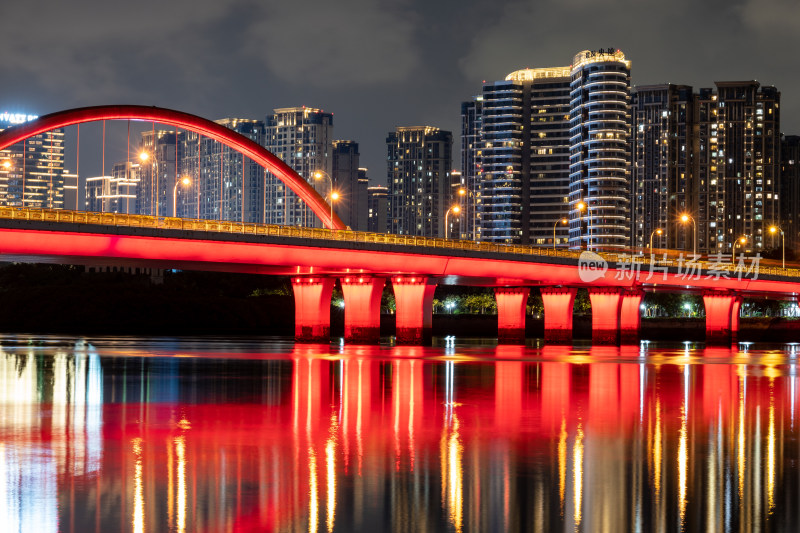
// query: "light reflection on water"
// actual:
[[219, 435]]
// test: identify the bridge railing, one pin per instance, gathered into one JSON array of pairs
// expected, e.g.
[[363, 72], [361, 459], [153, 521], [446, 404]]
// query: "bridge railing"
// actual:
[[215, 226]]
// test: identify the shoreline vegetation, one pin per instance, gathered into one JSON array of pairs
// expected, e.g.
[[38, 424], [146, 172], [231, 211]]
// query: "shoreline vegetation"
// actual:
[[65, 299]]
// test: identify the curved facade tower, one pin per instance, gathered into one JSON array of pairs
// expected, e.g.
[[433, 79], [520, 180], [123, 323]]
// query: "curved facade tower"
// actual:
[[599, 167]]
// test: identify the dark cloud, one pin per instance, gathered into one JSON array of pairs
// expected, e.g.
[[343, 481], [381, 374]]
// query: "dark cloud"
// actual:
[[375, 63]]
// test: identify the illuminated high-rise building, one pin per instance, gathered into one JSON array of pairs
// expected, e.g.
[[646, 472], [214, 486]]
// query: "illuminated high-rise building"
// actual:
[[160, 157], [471, 170], [71, 200], [377, 198], [419, 162], [363, 200], [790, 193], [224, 184], [115, 193], [503, 178], [664, 122], [600, 159], [351, 206], [515, 153], [738, 158], [303, 138], [32, 171]]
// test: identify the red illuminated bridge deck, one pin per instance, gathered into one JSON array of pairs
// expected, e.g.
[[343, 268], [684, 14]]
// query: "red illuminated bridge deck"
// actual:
[[362, 262]]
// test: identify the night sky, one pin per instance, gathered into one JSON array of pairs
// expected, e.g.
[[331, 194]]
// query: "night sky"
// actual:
[[374, 64]]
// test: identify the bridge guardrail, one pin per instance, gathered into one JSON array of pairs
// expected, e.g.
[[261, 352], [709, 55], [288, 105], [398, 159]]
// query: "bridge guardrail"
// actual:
[[214, 226]]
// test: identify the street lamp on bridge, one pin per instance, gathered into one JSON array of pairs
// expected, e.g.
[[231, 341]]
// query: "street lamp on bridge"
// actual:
[[559, 221], [183, 181], [466, 194], [774, 230], [332, 195], [741, 241], [686, 217], [580, 206], [658, 232], [456, 209]]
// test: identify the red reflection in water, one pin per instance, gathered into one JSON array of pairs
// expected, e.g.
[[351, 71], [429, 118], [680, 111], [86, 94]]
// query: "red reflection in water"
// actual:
[[358, 441]]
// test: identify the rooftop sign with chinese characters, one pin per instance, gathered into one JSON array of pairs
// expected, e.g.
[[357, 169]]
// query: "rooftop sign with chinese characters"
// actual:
[[600, 56]]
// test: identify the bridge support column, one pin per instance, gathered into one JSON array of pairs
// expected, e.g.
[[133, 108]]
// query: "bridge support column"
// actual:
[[362, 309], [736, 306], [413, 297], [630, 316], [312, 309], [606, 304], [719, 312], [558, 306], [511, 303]]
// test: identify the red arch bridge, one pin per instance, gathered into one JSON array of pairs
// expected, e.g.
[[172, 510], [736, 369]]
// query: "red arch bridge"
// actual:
[[362, 262]]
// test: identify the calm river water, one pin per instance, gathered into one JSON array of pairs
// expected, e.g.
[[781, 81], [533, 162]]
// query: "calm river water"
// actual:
[[155, 434]]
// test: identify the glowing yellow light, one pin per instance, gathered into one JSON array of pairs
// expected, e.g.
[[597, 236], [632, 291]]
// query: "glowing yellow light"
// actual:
[[6, 164], [577, 472], [684, 218], [330, 459], [740, 438], [564, 221], [580, 206], [313, 503], [186, 181], [138, 488], [562, 463], [456, 209], [743, 240], [180, 452], [455, 476], [334, 196], [771, 450], [317, 175], [773, 229], [659, 232], [657, 449], [144, 156], [683, 463]]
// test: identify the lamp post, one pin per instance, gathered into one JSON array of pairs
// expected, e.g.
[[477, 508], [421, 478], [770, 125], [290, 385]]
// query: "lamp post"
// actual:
[[658, 232], [455, 209], [467, 194], [741, 241], [686, 218], [318, 175], [184, 181], [773, 230], [580, 206], [559, 221]]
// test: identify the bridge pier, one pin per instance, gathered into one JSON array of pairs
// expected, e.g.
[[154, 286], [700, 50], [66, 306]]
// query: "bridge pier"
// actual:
[[736, 306], [511, 304], [720, 320], [413, 296], [606, 304], [312, 309], [362, 309], [558, 307], [630, 316]]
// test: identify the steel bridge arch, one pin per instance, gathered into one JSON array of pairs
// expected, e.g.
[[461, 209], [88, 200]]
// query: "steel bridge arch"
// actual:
[[179, 119]]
